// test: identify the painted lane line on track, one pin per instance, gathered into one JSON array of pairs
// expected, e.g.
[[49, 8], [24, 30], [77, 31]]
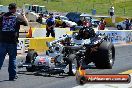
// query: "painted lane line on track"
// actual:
[[129, 85], [124, 44], [126, 72]]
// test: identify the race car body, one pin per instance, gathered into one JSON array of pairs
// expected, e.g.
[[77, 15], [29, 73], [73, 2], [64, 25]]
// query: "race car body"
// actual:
[[68, 53]]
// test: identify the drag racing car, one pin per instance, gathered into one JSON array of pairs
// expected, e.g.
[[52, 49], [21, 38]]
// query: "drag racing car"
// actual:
[[68, 53]]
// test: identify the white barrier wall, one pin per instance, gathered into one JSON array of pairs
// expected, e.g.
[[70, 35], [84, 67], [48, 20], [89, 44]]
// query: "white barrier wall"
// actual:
[[41, 32], [117, 36], [22, 45], [26, 43]]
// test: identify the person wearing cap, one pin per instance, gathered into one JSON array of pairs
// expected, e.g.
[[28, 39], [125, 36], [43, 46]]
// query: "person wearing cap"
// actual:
[[50, 24], [127, 24], [9, 32]]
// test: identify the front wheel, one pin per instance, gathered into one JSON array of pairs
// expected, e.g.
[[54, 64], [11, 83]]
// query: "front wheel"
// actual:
[[30, 58]]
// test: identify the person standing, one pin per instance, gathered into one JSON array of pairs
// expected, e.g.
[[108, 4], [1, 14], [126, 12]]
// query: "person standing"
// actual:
[[102, 24], [40, 19], [127, 24], [111, 11], [9, 32], [50, 24]]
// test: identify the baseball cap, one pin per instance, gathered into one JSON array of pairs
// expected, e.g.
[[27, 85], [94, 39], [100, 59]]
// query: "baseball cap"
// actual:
[[12, 6]]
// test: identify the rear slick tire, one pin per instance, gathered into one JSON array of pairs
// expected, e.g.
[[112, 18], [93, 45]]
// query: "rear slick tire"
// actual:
[[105, 56]]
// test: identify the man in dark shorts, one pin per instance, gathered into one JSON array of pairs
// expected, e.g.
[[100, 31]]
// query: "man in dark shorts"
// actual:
[[9, 32], [39, 19], [50, 24]]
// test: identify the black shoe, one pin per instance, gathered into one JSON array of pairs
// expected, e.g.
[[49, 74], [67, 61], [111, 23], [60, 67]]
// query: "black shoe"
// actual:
[[16, 76], [13, 78]]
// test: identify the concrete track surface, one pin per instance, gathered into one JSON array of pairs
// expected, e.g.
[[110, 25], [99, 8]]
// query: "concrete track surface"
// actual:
[[123, 63]]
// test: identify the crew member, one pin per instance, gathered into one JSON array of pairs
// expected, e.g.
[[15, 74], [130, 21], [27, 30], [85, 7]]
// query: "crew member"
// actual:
[[50, 24], [111, 11], [102, 24], [39, 19], [9, 32], [127, 24]]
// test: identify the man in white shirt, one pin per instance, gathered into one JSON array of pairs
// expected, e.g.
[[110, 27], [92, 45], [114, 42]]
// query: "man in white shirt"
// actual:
[[111, 11]]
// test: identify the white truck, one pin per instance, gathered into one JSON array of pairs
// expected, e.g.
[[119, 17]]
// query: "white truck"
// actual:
[[33, 11], [35, 8], [3, 9], [32, 17]]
